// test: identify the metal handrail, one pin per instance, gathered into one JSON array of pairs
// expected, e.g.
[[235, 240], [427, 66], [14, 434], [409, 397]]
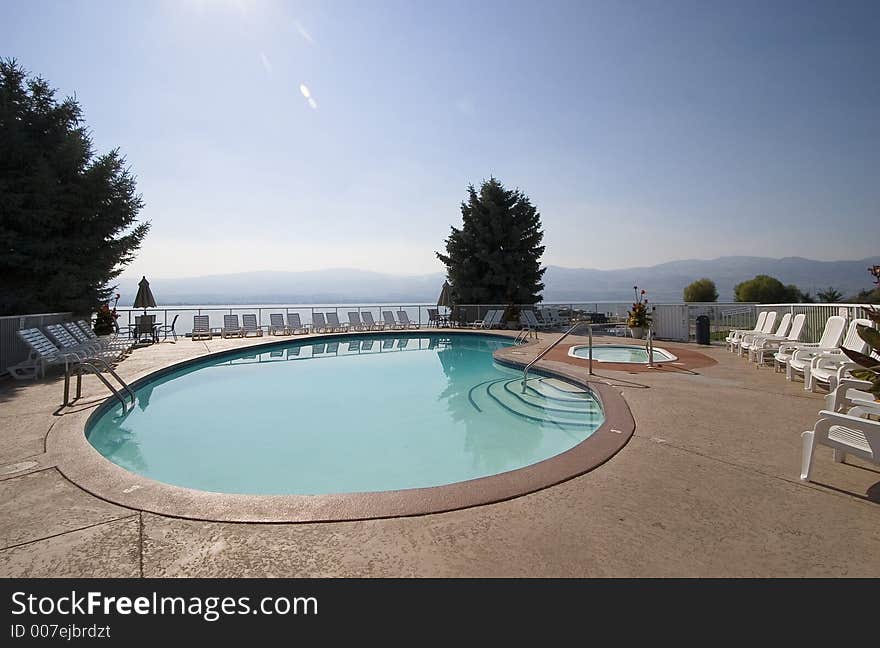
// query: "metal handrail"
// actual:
[[547, 350], [90, 365]]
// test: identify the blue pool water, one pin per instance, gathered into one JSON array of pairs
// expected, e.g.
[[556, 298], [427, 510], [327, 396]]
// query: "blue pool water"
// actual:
[[345, 415], [621, 353]]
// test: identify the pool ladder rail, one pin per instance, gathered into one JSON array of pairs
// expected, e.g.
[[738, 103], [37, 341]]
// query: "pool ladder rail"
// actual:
[[525, 333], [96, 366], [649, 347]]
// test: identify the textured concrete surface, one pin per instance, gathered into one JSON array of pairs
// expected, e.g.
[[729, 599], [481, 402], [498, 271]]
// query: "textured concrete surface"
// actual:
[[44, 504], [22, 435], [107, 550], [708, 486]]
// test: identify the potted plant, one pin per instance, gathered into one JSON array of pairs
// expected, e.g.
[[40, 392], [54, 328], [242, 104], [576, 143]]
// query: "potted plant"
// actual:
[[638, 319], [105, 320], [868, 367]]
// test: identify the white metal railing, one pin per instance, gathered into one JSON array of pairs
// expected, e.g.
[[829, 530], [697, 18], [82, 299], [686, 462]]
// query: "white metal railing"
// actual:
[[672, 321]]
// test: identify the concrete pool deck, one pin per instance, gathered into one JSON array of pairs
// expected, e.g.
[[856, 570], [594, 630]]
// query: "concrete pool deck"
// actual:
[[707, 486]]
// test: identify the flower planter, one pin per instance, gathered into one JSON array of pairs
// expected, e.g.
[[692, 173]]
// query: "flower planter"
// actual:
[[638, 332]]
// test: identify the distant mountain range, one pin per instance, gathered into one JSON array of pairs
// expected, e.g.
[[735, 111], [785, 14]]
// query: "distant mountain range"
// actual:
[[664, 282]]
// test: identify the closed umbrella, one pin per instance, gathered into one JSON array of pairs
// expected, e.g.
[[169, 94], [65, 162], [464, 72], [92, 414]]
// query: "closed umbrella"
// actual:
[[144, 299], [445, 299]]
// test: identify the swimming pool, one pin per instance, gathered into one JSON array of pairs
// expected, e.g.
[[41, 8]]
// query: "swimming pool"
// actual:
[[344, 415], [624, 353]]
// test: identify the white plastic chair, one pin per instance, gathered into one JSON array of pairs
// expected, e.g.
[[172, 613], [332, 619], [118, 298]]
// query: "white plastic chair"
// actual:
[[735, 334], [751, 339], [766, 329], [846, 434], [770, 343], [830, 367], [800, 353], [43, 353]]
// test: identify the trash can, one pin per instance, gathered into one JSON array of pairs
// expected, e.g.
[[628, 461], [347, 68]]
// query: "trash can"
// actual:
[[703, 329]]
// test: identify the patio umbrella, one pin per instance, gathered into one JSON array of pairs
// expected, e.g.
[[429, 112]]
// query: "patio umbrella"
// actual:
[[144, 298], [445, 298]]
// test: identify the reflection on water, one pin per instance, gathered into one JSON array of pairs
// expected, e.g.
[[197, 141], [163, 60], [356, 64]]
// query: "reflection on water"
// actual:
[[493, 448], [383, 344]]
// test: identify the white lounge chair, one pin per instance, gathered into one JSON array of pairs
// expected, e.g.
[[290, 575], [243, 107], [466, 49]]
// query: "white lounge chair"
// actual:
[[319, 324], [535, 321], [849, 393], [249, 325], [750, 339], [334, 324], [486, 321], [69, 344], [201, 327], [767, 329], [846, 434], [354, 322], [495, 320], [796, 356], [93, 341], [550, 317], [43, 353], [390, 322], [106, 341], [405, 321], [231, 327], [830, 367], [557, 319], [295, 325], [734, 335], [528, 319], [370, 323], [766, 345], [277, 325], [85, 341]]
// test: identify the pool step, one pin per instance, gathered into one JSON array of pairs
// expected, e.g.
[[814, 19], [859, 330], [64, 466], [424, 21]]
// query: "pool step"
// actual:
[[557, 403], [554, 389], [512, 392]]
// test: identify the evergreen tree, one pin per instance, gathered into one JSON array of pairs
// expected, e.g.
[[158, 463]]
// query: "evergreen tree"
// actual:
[[67, 217], [495, 258]]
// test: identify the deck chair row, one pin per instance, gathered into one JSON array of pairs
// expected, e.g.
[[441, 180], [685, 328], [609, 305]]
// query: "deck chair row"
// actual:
[[849, 423], [65, 343], [293, 325]]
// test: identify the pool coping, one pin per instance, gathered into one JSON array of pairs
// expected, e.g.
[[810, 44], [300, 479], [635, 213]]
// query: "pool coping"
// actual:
[[84, 466]]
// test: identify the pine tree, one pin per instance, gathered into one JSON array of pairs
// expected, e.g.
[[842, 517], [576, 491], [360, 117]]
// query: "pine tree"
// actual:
[[495, 258], [67, 217]]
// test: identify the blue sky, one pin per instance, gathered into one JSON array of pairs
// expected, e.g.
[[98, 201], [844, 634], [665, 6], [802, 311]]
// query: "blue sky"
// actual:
[[643, 131]]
